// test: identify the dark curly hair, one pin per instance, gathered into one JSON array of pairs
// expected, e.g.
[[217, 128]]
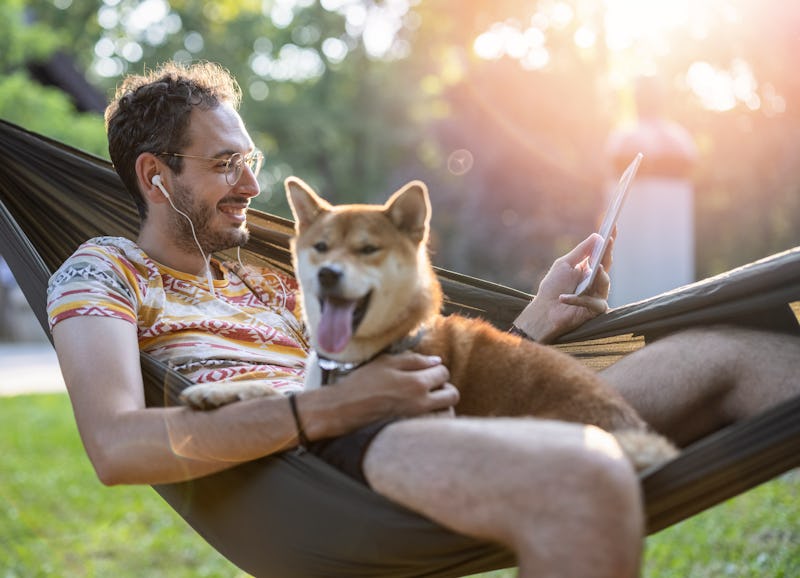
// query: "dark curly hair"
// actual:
[[150, 113]]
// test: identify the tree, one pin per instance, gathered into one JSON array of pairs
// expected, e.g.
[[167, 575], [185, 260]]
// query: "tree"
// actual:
[[25, 102], [502, 107]]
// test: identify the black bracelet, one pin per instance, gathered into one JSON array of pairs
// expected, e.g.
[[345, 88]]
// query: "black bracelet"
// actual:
[[301, 435], [520, 333]]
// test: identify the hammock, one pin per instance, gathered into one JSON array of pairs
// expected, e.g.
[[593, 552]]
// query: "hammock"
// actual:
[[54, 197]]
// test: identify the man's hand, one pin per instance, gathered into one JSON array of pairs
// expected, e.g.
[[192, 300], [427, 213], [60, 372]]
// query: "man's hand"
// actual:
[[402, 385], [556, 309], [405, 384]]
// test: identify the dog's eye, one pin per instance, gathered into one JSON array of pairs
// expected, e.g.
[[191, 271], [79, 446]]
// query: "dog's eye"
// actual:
[[368, 249], [320, 247]]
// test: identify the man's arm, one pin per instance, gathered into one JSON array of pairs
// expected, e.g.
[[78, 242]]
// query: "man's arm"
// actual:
[[128, 443]]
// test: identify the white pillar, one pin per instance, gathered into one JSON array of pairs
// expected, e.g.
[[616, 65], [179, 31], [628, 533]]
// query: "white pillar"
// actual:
[[654, 250]]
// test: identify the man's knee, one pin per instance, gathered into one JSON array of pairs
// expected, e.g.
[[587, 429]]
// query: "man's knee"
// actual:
[[595, 507], [605, 467], [589, 484]]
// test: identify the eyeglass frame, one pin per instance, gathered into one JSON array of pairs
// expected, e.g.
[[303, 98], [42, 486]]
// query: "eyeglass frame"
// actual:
[[256, 155]]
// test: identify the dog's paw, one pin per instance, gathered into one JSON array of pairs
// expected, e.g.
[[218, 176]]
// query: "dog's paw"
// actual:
[[213, 395], [645, 449]]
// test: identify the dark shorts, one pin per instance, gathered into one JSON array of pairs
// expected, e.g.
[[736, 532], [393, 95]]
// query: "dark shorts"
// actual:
[[346, 453]]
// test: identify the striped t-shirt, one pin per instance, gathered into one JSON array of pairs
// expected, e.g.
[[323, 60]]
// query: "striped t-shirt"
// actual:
[[251, 329]]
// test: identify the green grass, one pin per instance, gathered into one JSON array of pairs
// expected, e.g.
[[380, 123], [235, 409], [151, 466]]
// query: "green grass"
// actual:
[[56, 519]]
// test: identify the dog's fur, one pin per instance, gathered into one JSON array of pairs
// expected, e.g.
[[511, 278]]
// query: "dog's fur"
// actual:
[[367, 283]]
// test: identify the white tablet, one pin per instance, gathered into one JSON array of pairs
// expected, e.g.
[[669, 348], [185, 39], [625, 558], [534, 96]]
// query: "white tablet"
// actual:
[[614, 209]]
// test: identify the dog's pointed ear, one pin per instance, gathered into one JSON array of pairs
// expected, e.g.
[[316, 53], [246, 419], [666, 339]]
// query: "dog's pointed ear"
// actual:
[[306, 205], [410, 210]]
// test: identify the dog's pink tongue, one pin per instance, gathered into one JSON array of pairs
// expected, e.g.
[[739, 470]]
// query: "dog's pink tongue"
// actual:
[[336, 325]]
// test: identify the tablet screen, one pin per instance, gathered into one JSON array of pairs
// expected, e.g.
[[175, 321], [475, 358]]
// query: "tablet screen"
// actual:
[[610, 219]]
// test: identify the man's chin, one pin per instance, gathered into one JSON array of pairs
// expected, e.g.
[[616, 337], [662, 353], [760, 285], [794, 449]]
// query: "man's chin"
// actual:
[[243, 235], [237, 238]]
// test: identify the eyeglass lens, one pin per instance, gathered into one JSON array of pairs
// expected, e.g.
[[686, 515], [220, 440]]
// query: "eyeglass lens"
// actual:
[[236, 165]]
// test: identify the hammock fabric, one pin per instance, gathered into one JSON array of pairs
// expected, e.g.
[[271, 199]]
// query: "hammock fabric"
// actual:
[[288, 515]]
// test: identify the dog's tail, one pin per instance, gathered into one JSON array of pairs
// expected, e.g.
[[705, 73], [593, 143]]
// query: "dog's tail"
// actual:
[[644, 448]]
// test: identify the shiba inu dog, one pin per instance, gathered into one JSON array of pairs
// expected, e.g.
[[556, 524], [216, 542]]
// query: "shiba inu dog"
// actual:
[[368, 287]]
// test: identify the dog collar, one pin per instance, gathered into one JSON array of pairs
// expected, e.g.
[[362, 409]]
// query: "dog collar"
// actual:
[[333, 370], [408, 342]]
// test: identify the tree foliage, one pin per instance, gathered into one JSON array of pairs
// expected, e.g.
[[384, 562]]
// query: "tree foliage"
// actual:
[[27, 103], [511, 144]]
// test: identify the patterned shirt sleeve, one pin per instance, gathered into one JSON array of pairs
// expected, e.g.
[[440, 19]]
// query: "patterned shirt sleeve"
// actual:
[[95, 281]]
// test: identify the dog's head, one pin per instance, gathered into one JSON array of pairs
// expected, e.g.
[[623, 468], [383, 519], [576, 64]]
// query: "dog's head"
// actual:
[[363, 270]]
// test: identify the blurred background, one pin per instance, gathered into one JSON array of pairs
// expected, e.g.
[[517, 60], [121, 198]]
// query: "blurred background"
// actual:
[[517, 113]]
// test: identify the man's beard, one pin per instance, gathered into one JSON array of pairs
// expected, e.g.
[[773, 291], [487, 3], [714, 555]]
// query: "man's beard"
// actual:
[[201, 216]]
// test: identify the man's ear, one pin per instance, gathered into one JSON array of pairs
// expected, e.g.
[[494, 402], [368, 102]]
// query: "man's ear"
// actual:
[[410, 210], [306, 205], [148, 166]]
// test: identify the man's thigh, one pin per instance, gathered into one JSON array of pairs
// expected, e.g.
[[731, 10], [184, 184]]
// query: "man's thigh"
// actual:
[[693, 382], [476, 475]]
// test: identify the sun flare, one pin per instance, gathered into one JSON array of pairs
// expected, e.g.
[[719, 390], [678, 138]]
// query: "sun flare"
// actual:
[[632, 38], [635, 21]]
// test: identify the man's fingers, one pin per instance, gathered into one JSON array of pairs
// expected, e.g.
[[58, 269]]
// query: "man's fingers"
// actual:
[[582, 250], [411, 361], [602, 283], [427, 368], [444, 397], [594, 304]]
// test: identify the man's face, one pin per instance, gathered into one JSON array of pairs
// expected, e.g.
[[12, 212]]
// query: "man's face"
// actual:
[[217, 209]]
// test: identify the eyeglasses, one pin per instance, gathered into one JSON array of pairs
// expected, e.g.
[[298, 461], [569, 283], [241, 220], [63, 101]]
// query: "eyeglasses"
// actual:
[[233, 165]]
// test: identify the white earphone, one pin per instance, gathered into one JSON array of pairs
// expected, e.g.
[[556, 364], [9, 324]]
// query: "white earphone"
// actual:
[[156, 180]]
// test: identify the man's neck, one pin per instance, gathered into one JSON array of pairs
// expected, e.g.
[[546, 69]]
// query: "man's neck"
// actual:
[[162, 249]]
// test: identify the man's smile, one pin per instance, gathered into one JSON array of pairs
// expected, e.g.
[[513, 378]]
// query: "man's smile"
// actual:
[[236, 211]]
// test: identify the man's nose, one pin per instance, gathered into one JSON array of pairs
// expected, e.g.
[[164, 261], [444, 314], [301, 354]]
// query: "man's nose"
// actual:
[[248, 183]]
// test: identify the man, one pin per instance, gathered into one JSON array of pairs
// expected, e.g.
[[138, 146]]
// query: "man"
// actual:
[[183, 152]]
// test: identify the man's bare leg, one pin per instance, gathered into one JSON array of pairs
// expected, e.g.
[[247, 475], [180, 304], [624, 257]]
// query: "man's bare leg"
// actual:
[[561, 496], [692, 383]]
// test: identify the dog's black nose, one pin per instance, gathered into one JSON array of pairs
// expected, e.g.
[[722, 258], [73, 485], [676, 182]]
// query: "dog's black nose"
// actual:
[[329, 277]]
